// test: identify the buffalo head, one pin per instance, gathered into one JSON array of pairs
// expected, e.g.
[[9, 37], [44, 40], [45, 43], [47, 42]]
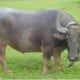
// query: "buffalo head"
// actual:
[[71, 33]]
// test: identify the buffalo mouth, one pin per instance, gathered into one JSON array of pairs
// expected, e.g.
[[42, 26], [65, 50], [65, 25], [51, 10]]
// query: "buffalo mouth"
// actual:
[[73, 59]]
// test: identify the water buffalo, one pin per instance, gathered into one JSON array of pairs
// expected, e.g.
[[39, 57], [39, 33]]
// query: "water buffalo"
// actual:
[[47, 30]]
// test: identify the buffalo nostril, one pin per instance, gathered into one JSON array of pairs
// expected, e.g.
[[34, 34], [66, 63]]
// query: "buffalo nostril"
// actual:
[[73, 59]]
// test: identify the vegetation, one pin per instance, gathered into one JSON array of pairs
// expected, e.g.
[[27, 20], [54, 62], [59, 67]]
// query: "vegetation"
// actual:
[[29, 65]]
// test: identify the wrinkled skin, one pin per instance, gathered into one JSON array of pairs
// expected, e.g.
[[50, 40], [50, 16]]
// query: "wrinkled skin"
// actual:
[[73, 44], [35, 31]]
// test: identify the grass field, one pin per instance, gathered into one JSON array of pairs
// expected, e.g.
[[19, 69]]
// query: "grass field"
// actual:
[[29, 66]]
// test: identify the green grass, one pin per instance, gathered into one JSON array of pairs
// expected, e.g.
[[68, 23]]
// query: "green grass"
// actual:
[[29, 65]]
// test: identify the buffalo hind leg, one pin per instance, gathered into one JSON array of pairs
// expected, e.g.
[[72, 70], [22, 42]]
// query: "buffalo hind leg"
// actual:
[[2, 56], [47, 53], [57, 54]]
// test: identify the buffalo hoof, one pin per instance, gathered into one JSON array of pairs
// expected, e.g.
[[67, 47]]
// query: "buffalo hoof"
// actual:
[[58, 70], [45, 71], [7, 70]]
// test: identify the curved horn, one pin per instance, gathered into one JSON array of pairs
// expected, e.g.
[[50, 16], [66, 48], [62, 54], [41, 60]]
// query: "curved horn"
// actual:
[[75, 27], [59, 27], [71, 23], [62, 29]]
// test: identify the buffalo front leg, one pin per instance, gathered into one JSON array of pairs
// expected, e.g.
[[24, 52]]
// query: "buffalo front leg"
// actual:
[[56, 55], [2, 56], [45, 63], [47, 53]]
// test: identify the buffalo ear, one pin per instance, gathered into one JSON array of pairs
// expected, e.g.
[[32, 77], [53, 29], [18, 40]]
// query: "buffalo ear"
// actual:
[[59, 36]]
